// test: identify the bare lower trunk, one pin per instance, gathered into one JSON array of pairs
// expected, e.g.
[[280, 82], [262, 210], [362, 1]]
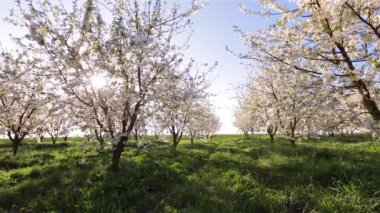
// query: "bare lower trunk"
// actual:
[[292, 141], [16, 140], [271, 138], [116, 154], [15, 148], [292, 135], [271, 130], [54, 139], [176, 135], [101, 142], [175, 140], [126, 130], [99, 137], [192, 140], [332, 134]]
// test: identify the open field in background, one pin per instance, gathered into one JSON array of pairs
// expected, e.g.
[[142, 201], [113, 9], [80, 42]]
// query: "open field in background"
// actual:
[[227, 174]]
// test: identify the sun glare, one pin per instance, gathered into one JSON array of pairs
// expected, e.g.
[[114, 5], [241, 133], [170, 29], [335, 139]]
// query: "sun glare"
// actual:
[[98, 81]]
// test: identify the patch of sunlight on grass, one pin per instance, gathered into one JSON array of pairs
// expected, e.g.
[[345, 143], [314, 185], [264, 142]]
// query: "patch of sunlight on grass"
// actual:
[[271, 160]]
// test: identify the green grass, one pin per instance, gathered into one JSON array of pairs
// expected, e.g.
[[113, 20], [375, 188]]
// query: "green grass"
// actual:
[[227, 174]]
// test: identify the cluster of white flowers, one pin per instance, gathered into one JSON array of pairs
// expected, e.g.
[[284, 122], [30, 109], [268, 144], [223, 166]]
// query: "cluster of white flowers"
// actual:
[[316, 71], [144, 145]]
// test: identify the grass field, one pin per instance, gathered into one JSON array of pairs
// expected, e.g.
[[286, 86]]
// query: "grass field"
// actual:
[[227, 174]]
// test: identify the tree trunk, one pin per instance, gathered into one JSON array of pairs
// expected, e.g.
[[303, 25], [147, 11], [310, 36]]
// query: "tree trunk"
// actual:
[[54, 139], [15, 146], [245, 134], [16, 140], [368, 101], [65, 138], [271, 138], [332, 134], [175, 140], [292, 141], [192, 140], [292, 136], [271, 132], [292, 131], [116, 154], [99, 137]]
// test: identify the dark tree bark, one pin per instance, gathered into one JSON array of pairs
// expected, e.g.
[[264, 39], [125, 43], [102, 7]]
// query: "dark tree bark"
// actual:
[[16, 140], [177, 136], [116, 154], [135, 134], [126, 131], [368, 101], [291, 134], [252, 131], [271, 132], [53, 138], [246, 134], [99, 137], [175, 140], [15, 146]]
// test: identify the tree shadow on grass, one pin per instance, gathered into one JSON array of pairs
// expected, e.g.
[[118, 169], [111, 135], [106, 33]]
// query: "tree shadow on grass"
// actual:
[[355, 138], [45, 188], [29, 155], [142, 185], [287, 168], [200, 177], [52, 146], [303, 164]]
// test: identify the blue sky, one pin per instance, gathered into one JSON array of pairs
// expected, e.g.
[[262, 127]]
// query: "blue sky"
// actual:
[[213, 31]]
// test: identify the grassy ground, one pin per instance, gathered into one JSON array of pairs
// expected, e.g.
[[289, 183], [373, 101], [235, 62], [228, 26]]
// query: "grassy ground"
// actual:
[[227, 174]]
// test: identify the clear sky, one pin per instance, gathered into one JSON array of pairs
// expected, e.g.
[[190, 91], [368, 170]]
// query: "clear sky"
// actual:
[[213, 31]]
